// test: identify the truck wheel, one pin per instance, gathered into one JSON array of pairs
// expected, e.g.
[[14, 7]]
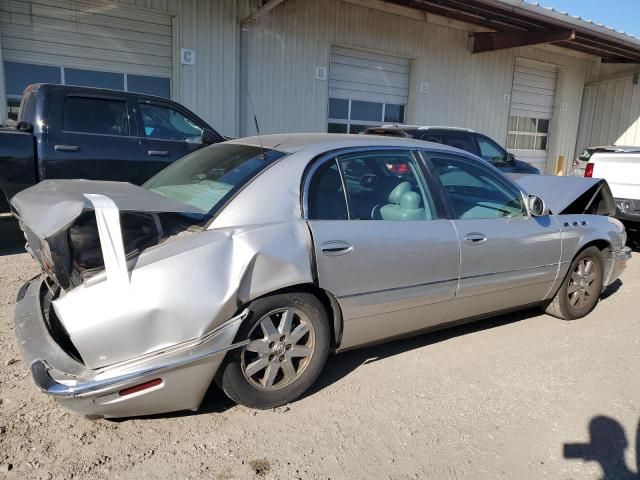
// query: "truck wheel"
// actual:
[[289, 344], [581, 288]]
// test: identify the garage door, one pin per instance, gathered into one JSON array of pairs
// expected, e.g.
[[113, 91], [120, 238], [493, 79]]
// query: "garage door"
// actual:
[[532, 101], [366, 89], [85, 43]]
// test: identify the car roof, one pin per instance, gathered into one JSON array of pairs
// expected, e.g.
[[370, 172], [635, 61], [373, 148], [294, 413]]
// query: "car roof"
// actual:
[[616, 148], [297, 142], [399, 127]]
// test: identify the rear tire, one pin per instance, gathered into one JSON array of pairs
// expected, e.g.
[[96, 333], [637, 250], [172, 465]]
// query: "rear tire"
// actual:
[[580, 291], [289, 344]]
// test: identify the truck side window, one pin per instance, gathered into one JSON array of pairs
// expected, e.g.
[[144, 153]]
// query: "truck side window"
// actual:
[[168, 124], [95, 115]]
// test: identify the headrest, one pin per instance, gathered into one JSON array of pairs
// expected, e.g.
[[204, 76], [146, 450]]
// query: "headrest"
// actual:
[[410, 201], [396, 194]]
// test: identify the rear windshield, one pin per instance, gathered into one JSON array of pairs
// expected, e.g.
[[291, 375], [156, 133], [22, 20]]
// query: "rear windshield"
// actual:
[[207, 178]]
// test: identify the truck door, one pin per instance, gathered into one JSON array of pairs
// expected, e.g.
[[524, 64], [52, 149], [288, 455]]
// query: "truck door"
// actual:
[[166, 132], [89, 136]]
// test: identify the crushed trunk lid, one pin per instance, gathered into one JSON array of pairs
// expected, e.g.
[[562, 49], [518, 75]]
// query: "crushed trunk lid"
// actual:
[[47, 210]]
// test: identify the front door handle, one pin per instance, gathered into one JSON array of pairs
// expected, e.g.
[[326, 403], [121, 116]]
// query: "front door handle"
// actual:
[[333, 248], [475, 238], [158, 153], [66, 148]]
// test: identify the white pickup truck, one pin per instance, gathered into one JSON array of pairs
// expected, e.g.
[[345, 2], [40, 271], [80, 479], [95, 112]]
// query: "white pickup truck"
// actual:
[[622, 173]]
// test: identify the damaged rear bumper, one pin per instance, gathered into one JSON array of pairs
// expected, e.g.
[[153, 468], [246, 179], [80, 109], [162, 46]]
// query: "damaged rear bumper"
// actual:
[[175, 377]]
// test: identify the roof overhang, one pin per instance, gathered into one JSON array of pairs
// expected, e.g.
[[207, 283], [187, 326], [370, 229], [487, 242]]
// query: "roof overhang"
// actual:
[[517, 23]]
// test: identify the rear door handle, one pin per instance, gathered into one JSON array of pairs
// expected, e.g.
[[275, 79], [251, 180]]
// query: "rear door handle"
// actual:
[[333, 248], [158, 153], [66, 148], [475, 238]]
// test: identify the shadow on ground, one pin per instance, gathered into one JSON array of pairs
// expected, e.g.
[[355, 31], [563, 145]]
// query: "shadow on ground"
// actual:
[[11, 238], [607, 446]]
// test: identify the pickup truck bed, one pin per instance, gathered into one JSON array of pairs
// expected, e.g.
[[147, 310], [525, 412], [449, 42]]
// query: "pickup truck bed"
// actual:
[[622, 173]]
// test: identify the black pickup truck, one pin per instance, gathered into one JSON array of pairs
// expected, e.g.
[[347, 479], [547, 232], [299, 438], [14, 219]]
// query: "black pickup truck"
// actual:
[[81, 132]]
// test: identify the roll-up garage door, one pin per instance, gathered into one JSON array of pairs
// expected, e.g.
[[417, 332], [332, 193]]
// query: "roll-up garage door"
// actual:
[[366, 89], [532, 102], [84, 42]]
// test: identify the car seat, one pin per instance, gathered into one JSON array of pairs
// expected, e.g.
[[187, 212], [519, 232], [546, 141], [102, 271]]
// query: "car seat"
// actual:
[[404, 204]]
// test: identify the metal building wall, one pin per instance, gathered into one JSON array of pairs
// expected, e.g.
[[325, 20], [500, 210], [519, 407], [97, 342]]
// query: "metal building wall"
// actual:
[[610, 113], [284, 47], [211, 28]]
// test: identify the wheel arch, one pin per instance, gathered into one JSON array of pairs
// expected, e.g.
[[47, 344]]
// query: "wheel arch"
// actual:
[[329, 302]]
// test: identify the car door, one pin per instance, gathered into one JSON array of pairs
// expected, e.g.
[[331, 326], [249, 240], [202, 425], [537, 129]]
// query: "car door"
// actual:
[[381, 245], [508, 258], [166, 133], [89, 137]]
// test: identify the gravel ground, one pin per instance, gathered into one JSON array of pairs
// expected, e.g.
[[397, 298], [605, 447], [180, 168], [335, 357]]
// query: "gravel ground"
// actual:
[[500, 399]]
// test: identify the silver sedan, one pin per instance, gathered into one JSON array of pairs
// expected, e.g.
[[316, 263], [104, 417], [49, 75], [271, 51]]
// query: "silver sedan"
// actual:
[[248, 262]]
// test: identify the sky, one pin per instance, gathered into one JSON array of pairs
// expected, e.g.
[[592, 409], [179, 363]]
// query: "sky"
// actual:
[[622, 15]]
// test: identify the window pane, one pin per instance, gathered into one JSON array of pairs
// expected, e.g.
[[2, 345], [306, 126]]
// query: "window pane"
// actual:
[[543, 126], [541, 143], [338, 108], [513, 123], [18, 75], [491, 151], [461, 141], [90, 78], [107, 117], [13, 107], [475, 192], [366, 111], [385, 186], [326, 198], [168, 124], [511, 140], [394, 113], [526, 124], [158, 86], [358, 128], [337, 128]]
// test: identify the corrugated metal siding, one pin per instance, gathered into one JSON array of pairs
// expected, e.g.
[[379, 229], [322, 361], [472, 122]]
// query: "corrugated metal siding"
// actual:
[[211, 88], [285, 46], [366, 76], [610, 114]]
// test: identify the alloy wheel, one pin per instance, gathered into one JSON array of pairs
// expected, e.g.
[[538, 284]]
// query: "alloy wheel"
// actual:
[[281, 345], [582, 285]]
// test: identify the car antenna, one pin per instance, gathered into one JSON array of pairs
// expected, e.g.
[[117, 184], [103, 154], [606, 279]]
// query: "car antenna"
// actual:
[[255, 120]]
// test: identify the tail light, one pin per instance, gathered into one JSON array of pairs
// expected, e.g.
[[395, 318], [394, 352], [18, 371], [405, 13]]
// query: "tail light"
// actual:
[[588, 172]]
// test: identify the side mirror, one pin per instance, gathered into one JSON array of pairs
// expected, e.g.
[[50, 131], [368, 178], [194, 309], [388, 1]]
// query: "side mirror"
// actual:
[[510, 157], [24, 127], [537, 207], [208, 137]]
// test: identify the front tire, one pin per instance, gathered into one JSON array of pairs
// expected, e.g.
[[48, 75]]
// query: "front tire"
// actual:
[[289, 344], [581, 288]]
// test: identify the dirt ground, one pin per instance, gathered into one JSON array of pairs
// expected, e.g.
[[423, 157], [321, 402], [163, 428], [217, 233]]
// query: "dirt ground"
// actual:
[[523, 396]]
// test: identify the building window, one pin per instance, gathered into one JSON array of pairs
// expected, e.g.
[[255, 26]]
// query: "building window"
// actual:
[[355, 116], [527, 133], [18, 75]]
